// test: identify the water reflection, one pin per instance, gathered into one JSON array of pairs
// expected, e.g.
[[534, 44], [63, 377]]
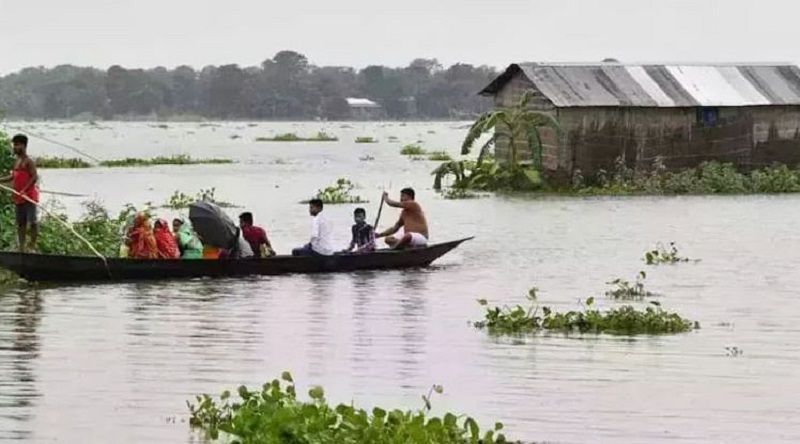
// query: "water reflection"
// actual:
[[320, 336], [412, 333], [20, 317]]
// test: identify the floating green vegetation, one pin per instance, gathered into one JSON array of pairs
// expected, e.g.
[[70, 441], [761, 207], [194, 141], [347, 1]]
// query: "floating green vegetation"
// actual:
[[625, 320], [321, 136], [412, 150], [366, 139], [623, 289], [338, 193], [180, 200], [8, 279], [181, 159], [366, 158], [661, 255], [61, 162], [393, 139], [275, 415], [440, 156], [707, 178], [459, 194]]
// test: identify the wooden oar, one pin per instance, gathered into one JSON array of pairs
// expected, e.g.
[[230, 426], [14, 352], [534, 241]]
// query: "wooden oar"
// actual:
[[380, 209]]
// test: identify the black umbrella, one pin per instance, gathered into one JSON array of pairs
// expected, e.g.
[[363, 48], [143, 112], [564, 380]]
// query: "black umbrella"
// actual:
[[213, 226]]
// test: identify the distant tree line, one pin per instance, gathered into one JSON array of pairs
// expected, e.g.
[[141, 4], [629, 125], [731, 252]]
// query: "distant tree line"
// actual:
[[286, 86]]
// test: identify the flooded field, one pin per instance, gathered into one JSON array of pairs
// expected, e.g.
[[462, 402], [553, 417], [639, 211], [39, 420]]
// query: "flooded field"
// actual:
[[117, 362]]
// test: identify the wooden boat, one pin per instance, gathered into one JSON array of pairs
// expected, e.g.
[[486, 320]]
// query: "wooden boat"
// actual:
[[50, 268]]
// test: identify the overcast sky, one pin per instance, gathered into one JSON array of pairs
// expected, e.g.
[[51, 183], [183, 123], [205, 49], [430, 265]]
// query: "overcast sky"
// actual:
[[148, 33]]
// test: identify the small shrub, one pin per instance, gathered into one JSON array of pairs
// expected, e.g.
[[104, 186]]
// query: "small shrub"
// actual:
[[459, 194], [412, 150]]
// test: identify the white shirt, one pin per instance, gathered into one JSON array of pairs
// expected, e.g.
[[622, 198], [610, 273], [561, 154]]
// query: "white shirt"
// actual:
[[321, 235]]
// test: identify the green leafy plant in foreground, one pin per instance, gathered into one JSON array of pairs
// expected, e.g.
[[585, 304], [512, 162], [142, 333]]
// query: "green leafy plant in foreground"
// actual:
[[625, 320], [661, 255], [339, 193], [623, 289], [275, 415]]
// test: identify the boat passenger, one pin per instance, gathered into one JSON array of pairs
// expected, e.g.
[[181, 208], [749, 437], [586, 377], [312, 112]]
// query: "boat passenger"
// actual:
[[363, 234], [412, 220], [320, 243], [26, 197], [255, 236], [140, 239], [165, 241], [188, 243]]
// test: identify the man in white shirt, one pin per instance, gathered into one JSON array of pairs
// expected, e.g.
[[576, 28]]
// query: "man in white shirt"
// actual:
[[321, 232]]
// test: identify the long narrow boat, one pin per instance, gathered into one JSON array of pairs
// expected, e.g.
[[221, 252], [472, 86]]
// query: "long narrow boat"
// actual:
[[50, 268]]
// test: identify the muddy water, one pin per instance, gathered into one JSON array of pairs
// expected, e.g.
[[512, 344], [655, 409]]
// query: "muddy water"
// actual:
[[96, 363]]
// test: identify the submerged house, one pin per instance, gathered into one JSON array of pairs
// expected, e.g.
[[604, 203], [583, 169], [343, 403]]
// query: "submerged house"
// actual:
[[748, 115], [363, 109]]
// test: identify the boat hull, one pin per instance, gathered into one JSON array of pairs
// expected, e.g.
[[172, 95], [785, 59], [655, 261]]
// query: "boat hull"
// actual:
[[50, 268]]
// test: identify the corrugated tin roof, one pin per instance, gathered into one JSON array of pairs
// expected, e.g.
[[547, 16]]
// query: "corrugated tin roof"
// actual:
[[687, 85]]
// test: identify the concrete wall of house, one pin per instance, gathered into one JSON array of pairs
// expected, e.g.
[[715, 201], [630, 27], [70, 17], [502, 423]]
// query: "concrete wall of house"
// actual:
[[591, 139]]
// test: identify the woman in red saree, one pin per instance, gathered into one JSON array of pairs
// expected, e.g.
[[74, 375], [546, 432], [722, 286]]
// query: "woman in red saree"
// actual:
[[165, 241], [141, 241]]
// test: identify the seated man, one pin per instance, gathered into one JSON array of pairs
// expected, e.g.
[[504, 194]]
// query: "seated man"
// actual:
[[255, 236], [320, 243], [412, 221], [363, 234]]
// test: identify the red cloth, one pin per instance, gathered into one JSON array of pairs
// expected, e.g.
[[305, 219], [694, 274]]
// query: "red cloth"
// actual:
[[165, 241], [21, 177], [255, 236], [142, 242]]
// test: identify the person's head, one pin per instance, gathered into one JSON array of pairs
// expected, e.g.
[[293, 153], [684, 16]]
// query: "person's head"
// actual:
[[246, 219], [20, 144], [407, 194], [359, 215], [161, 225], [314, 206], [176, 225]]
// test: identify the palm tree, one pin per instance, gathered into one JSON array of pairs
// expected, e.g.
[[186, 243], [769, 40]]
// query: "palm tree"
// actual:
[[516, 124]]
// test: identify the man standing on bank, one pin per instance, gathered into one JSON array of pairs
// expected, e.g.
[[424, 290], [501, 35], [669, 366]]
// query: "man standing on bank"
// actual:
[[24, 178], [412, 221]]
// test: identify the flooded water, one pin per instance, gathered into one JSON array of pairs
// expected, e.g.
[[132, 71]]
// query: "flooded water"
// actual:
[[85, 363]]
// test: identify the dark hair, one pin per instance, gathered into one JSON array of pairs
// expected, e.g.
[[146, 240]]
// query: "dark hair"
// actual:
[[360, 211], [21, 139], [246, 217], [178, 221], [408, 192], [316, 203]]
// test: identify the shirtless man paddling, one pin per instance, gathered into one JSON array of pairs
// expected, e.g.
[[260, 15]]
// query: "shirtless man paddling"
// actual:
[[412, 220]]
